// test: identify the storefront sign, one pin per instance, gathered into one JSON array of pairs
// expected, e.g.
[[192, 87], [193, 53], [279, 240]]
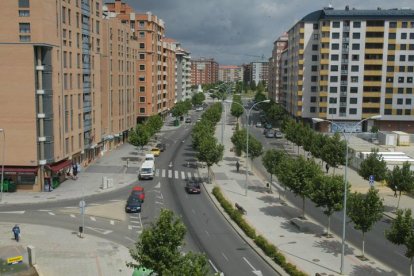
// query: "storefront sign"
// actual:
[[14, 260]]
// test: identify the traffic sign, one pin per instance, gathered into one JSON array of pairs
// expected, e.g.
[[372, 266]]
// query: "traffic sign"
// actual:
[[371, 180]]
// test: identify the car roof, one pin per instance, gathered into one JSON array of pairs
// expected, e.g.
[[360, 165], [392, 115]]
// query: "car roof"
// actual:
[[138, 188], [133, 199], [155, 148]]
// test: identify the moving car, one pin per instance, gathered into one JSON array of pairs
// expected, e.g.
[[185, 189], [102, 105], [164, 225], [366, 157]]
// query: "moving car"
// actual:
[[161, 146], [188, 120], [156, 151], [192, 186], [270, 133], [147, 170], [149, 157], [133, 205], [138, 192], [199, 108], [258, 124], [278, 134]]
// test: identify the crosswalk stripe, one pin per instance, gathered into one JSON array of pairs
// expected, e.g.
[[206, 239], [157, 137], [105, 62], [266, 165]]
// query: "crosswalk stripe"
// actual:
[[176, 174], [133, 226], [112, 222], [163, 173], [50, 213], [157, 172], [134, 221], [188, 174], [182, 175], [169, 173], [93, 218]]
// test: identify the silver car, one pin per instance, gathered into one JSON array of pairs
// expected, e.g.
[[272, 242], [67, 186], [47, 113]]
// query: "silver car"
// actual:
[[278, 134], [270, 133]]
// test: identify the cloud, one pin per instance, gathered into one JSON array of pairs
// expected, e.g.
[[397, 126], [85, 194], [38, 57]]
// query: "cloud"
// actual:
[[239, 31]]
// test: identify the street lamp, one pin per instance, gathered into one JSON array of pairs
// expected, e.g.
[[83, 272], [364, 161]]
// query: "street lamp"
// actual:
[[247, 137], [2, 165], [346, 137]]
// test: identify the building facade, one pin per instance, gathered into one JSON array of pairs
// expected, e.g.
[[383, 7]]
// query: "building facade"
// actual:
[[348, 65], [204, 71], [259, 72], [230, 73], [274, 86], [183, 73]]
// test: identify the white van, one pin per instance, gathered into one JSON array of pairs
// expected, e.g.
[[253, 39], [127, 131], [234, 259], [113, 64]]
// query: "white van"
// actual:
[[149, 157], [147, 170]]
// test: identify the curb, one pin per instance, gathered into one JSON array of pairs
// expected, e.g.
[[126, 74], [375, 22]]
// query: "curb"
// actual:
[[38, 271], [240, 232]]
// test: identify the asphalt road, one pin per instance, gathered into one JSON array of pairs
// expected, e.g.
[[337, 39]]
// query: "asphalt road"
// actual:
[[376, 244]]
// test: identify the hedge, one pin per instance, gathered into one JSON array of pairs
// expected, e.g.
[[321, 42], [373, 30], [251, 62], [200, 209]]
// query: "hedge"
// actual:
[[269, 249]]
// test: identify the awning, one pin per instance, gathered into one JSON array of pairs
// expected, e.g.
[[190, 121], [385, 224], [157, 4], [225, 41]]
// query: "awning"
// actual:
[[31, 170], [60, 165]]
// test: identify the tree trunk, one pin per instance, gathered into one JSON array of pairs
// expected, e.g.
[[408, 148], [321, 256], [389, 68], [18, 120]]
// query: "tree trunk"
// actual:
[[398, 203], [303, 207], [363, 244], [411, 267], [208, 175], [329, 225]]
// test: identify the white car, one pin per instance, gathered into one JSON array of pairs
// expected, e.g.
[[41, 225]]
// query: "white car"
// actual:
[[258, 124], [200, 108]]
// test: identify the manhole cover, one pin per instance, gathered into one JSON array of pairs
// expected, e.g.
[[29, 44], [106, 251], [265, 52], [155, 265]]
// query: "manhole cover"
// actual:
[[316, 260]]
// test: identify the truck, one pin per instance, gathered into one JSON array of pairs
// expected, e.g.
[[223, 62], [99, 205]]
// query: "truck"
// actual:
[[147, 170]]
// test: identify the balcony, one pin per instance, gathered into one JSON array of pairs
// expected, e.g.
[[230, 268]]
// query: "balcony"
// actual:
[[343, 94], [344, 61], [345, 39], [342, 104], [344, 82], [344, 72]]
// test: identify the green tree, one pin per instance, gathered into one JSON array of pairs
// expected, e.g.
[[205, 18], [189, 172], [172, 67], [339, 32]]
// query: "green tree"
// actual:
[[374, 165], [401, 180], [259, 97], [255, 147], [198, 98], [365, 210], [308, 138], [158, 248], [179, 109], [210, 152], [139, 136], [154, 124], [201, 129], [327, 191], [333, 152], [271, 161], [236, 107], [239, 141], [401, 232], [318, 142]]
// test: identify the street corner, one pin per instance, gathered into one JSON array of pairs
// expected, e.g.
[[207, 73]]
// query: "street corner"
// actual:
[[113, 210], [14, 261]]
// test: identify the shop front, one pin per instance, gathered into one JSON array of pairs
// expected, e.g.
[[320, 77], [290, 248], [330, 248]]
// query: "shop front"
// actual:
[[24, 178], [57, 173]]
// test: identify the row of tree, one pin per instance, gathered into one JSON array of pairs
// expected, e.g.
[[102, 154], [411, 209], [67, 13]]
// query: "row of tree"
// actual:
[[181, 108], [204, 142], [236, 108], [142, 133]]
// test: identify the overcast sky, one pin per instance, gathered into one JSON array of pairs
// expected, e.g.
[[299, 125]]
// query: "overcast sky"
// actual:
[[239, 31]]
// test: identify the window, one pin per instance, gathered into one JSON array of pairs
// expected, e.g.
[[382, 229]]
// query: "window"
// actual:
[[411, 35], [400, 90], [335, 24], [24, 27], [335, 35], [410, 46], [354, 79], [409, 90], [141, 56], [357, 24], [141, 78], [97, 27], [390, 68], [354, 68], [408, 112], [142, 99], [403, 47], [354, 89], [314, 58], [387, 111], [409, 79], [314, 68], [352, 111], [356, 35], [334, 68], [314, 47], [392, 35], [355, 46], [142, 45], [332, 100], [388, 101], [399, 111], [355, 57], [313, 99], [333, 79], [410, 69], [141, 25], [141, 67], [333, 89], [142, 110], [388, 90], [400, 101], [391, 46], [315, 26], [332, 111], [393, 24], [313, 88], [315, 36], [24, 4], [403, 35], [24, 38], [411, 58], [142, 89], [353, 100], [400, 79], [391, 58], [24, 13], [402, 57], [407, 101], [404, 24], [312, 109], [335, 46], [314, 78], [334, 57], [63, 15]]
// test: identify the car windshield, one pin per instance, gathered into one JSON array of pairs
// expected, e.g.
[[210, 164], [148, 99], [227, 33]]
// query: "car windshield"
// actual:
[[146, 170]]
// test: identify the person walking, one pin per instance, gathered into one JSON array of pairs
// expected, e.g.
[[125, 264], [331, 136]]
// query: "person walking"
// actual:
[[75, 171], [16, 232], [237, 166], [327, 168]]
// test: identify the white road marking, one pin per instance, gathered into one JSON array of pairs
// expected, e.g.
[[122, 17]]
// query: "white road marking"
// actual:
[[160, 196], [214, 267], [93, 218], [100, 230], [169, 173], [50, 213], [158, 202], [133, 226], [225, 257], [72, 216], [112, 222], [134, 221], [128, 238], [13, 212], [158, 186], [129, 227], [71, 207], [44, 210], [256, 272], [163, 173], [176, 174], [157, 172], [94, 204], [244, 258], [115, 200], [189, 174], [182, 175], [135, 217], [207, 233]]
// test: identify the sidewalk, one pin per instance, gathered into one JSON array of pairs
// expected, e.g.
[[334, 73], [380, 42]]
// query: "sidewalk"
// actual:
[[305, 248], [62, 252]]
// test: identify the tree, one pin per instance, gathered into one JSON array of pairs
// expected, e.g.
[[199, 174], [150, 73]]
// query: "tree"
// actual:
[[327, 192], [198, 98], [210, 152], [308, 138], [333, 152], [201, 130], [154, 124], [259, 97], [274, 112], [236, 107], [179, 109], [271, 161], [374, 165], [365, 210], [255, 147], [317, 145], [239, 141], [139, 136], [401, 232], [401, 180], [157, 248]]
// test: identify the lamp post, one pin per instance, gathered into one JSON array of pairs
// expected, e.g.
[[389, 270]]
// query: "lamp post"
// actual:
[[3, 160], [346, 137], [247, 138]]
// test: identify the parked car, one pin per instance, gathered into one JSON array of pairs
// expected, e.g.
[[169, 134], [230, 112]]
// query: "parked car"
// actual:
[[133, 205], [188, 120], [192, 186], [161, 146], [156, 151], [268, 125], [258, 124], [199, 108], [198, 120], [278, 134], [138, 192], [265, 130], [270, 133]]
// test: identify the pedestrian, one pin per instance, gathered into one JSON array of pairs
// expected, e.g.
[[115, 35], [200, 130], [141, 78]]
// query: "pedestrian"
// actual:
[[75, 171], [327, 168], [395, 191], [16, 232], [237, 166]]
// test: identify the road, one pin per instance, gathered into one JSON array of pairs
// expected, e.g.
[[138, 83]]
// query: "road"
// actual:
[[376, 244], [207, 230]]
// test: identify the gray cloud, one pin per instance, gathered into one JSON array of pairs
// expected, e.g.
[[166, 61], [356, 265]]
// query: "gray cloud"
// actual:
[[239, 31]]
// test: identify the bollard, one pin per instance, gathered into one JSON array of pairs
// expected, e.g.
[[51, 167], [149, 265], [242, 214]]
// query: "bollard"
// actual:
[[31, 255]]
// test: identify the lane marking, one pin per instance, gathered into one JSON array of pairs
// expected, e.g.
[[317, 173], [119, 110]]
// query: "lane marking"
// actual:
[[176, 174], [158, 186], [129, 227], [133, 226], [182, 175], [188, 174], [93, 218], [157, 172], [135, 217], [13, 212], [94, 204], [207, 233], [112, 222], [115, 200], [72, 216], [244, 258], [163, 173], [158, 202], [169, 173], [134, 221], [99, 230], [128, 238], [50, 213], [44, 210], [225, 257], [213, 266], [71, 207]]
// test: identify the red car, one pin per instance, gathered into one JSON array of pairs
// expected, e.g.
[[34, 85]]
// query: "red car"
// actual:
[[138, 192]]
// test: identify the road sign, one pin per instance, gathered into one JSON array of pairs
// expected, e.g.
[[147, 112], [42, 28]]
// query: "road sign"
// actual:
[[14, 260], [371, 180], [82, 205]]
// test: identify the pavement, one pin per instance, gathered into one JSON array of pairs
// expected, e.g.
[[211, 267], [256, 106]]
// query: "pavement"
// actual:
[[301, 242]]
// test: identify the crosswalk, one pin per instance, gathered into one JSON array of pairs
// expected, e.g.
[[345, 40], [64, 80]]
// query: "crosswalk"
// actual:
[[174, 174]]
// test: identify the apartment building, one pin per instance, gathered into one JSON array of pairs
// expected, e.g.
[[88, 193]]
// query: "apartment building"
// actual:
[[118, 74], [183, 73], [274, 86], [50, 108], [230, 73], [204, 71], [283, 76], [348, 65], [247, 73], [260, 71], [152, 79]]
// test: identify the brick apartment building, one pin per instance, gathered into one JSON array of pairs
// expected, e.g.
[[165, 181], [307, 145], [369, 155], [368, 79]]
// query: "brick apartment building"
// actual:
[[204, 71]]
